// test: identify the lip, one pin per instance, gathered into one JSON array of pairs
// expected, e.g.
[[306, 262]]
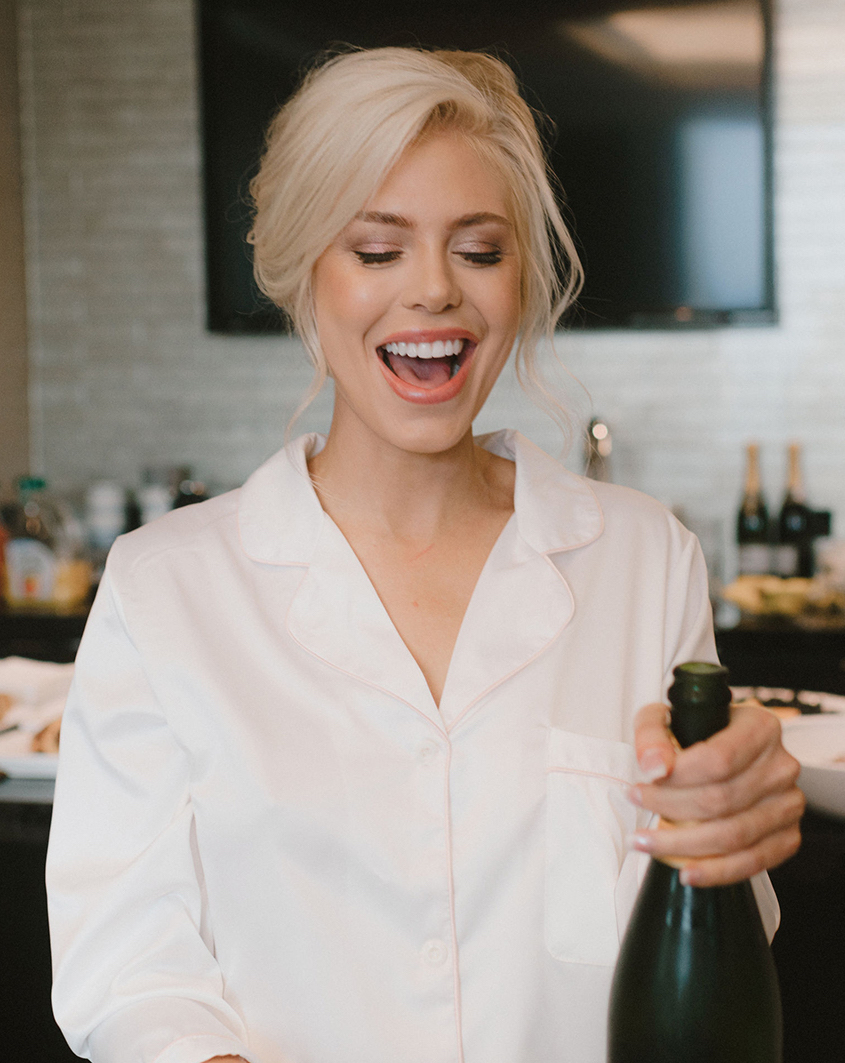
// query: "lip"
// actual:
[[429, 396], [429, 335]]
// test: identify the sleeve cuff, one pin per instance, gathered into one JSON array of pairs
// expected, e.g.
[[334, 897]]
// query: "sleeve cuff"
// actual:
[[168, 1030], [767, 902], [199, 1048]]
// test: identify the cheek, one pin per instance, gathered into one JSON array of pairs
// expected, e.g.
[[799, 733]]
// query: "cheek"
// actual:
[[505, 306], [344, 301]]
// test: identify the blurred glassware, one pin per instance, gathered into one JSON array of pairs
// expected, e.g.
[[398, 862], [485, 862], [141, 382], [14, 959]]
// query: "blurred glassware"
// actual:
[[598, 445], [105, 518]]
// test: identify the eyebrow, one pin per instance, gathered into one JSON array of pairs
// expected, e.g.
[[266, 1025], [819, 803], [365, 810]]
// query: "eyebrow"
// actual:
[[465, 222]]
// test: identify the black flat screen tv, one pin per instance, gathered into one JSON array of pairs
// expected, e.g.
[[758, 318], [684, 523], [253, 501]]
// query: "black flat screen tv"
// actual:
[[660, 135]]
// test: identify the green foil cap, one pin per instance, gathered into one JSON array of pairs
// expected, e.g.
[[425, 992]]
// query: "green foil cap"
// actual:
[[700, 698]]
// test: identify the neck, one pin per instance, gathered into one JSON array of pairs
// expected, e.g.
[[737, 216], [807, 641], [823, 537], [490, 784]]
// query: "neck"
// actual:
[[363, 479]]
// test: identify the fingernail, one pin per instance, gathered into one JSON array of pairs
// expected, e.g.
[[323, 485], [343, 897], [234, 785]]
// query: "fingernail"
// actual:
[[635, 794], [690, 877], [641, 842], [652, 765]]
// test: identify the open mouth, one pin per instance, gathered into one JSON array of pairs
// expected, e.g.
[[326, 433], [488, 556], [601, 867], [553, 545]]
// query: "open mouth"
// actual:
[[426, 365]]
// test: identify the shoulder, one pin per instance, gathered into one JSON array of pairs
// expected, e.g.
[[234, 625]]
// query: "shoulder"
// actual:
[[187, 530], [640, 522], [626, 504], [274, 518]]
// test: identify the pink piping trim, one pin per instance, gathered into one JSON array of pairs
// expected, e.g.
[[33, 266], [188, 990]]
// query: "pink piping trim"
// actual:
[[591, 774], [263, 560], [456, 976], [524, 664], [361, 679]]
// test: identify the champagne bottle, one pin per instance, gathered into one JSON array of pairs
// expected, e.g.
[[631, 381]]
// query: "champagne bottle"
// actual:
[[752, 523], [695, 981], [795, 524]]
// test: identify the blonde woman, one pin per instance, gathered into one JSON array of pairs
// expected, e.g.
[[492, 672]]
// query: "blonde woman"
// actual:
[[353, 770]]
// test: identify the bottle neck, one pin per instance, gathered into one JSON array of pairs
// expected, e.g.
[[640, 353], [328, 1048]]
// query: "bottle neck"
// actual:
[[795, 481], [752, 475]]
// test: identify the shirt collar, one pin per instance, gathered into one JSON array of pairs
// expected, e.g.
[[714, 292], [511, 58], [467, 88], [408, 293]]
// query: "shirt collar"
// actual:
[[280, 516]]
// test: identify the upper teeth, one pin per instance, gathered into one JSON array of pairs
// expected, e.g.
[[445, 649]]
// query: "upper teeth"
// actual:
[[438, 349]]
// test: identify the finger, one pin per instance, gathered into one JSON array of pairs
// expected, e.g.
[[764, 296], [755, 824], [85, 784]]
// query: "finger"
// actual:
[[752, 732], [725, 837], [725, 870], [653, 742], [774, 772]]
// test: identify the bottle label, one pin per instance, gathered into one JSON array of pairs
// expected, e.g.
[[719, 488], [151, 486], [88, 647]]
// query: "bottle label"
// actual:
[[30, 571], [786, 560], [754, 559]]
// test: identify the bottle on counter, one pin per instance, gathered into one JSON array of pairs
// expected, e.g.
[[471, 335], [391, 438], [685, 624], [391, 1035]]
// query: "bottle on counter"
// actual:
[[45, 559], [794, 555], [105, 517], [752, 522], [695, 979]]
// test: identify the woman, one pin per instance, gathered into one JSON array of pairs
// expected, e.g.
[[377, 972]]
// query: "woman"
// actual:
[[348, 772]]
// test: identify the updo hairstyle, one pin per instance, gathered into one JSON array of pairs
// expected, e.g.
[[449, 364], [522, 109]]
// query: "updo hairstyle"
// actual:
[[330, 147]]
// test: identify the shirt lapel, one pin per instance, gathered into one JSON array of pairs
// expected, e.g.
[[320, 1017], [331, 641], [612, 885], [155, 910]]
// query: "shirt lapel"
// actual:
[[520, 605], [521, 602], [337, 616]]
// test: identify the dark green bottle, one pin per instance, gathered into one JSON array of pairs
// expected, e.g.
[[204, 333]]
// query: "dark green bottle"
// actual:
[[695, 981]]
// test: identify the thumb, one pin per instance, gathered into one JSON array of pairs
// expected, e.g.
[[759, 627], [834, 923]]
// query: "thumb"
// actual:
[[653, 742]]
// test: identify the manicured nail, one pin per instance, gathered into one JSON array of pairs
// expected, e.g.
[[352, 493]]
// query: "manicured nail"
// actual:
[[642, 842], [652, 765], [690, 877], [635, 795]]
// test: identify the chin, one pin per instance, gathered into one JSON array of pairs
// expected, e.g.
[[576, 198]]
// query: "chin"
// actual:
[[427, 436]]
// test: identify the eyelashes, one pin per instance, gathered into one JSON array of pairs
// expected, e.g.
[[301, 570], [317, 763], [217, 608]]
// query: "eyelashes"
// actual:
[[475, 258], [482, 258], [376, 258]]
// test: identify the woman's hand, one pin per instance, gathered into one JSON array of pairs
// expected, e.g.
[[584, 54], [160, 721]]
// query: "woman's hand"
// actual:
[[734, 797]]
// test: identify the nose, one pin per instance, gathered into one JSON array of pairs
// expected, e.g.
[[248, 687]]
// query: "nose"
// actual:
[[431, 283]]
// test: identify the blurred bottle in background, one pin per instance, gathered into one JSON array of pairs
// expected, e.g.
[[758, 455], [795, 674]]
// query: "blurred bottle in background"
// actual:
[[794, 549], [46, 562], [167, 487], [752, 522]]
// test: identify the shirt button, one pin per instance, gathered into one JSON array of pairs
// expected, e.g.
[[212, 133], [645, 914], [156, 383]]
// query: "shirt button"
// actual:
[[434, 952], [427, 752]]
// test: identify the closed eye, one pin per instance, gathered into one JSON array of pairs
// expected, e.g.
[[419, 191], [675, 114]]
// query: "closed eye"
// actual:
[[375, 258], [482, 258]]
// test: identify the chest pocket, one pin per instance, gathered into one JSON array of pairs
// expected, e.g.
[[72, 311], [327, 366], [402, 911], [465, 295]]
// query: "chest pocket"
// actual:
[[591, 877]]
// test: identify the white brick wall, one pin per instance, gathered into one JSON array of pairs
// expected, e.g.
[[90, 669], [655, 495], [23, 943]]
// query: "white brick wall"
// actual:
[[123, 373]]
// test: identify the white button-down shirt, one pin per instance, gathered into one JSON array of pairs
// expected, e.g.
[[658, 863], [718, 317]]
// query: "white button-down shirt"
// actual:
[[268, 839]]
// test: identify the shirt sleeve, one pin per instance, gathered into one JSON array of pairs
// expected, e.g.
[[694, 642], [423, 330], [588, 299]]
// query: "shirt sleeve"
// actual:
[[690, 637], [135, 977], [689, 627]]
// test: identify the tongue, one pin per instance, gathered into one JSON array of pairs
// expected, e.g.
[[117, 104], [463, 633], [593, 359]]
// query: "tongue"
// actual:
[[422, 372]]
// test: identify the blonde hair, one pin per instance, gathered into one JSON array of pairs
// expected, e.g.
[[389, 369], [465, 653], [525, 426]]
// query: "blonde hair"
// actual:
[[330, 147]]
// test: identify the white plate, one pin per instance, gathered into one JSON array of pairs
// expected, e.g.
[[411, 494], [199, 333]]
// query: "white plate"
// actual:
[[31, 766], [817, 742], [18, 762]]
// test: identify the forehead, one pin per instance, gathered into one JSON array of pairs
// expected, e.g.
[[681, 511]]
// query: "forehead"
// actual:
[[444, 174]]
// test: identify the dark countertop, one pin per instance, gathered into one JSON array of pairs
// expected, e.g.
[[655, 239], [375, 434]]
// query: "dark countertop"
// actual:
[[780, 654]]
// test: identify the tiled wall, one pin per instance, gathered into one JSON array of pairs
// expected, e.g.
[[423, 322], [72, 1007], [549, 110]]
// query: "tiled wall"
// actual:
[[123, 373], [13, 355]]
